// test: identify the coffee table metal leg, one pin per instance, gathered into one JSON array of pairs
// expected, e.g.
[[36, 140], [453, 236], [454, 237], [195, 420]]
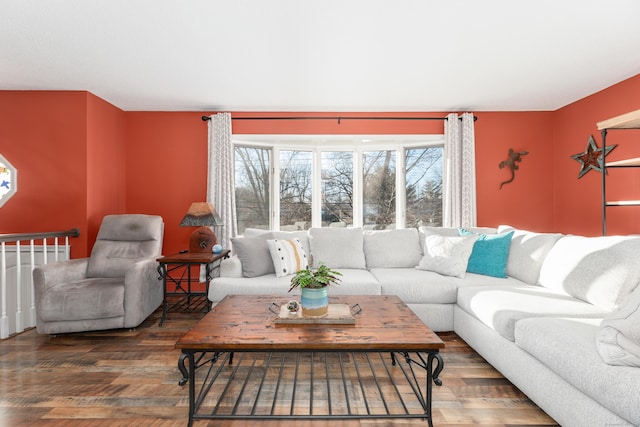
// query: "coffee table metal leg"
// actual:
[[433, 374], [189, 375]]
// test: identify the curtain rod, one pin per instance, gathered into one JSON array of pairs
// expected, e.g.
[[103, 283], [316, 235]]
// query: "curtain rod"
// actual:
[[338, 118]]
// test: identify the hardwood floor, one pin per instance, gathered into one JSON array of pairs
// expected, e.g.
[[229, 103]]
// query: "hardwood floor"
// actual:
[[130, 378]]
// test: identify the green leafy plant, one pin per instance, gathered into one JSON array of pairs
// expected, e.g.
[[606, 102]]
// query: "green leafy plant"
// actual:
[[315, 279]]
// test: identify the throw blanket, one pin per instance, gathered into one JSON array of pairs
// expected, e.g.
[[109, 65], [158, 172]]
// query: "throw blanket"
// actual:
[[618, 341]]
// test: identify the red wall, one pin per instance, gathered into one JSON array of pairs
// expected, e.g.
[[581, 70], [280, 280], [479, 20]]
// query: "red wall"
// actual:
[[167, 152], [527, 202], [578, 201], [80, 158], [65, 147], [166, 169], [106, 163]]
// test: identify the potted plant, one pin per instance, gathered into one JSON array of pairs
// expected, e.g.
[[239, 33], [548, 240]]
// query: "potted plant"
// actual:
[[314, 283]]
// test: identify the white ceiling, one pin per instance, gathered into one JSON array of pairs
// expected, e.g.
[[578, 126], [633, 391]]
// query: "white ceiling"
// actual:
[[321, 55]]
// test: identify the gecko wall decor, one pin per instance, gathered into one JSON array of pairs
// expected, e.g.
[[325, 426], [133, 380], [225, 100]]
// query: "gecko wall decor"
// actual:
[[515, 157]]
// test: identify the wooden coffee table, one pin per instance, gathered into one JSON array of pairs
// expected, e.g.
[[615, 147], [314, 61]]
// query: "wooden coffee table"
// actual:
[[383, 366]]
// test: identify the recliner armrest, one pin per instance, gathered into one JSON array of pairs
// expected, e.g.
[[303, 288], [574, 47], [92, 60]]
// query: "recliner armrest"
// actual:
[[48, 275], [143, 291]]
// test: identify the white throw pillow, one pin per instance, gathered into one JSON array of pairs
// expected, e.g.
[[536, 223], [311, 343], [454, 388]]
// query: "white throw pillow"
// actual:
[[447, 255], [337, 247], [288, 256], [619, 339], [301, 235]]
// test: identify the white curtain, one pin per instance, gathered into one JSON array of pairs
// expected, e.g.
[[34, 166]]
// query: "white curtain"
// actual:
[[459, 172], [220, 184]]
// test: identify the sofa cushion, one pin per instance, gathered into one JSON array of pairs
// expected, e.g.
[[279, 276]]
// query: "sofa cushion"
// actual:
[[268, 284], [254, 255], [337, 247], [96, 298], [599, 270], [288, 256], [392, 248], [415, 286], [490, 253], [452, 231], [446, 255], [619, 337], [567, 347], [527, 252], [353, 282], [500, 307]]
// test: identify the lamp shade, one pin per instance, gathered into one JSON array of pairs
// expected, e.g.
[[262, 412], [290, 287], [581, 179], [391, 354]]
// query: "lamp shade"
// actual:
[[201, 215]]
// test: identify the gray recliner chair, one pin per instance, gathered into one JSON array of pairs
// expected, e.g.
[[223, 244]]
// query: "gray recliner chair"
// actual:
[[118, 286]]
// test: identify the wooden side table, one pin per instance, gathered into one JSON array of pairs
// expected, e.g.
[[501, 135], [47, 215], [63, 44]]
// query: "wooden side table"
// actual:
[[176, 269]]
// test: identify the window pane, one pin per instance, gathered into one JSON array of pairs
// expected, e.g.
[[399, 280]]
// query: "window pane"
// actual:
[[424, 186], [337, 188], [252, 187], [379, 198], [295, 190]]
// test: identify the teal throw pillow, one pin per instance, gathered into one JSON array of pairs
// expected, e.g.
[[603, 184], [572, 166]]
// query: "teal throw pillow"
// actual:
[[490, 253]]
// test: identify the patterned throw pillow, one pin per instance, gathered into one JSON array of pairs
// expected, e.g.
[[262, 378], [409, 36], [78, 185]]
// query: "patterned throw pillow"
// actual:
[[448, 256], [288, 256]]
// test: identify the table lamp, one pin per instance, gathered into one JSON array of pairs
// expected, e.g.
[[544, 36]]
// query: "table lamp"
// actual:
[[201, 215]]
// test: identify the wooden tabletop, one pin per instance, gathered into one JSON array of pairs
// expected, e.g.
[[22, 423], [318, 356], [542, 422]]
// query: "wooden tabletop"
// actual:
[[192, 257], [244, 323]]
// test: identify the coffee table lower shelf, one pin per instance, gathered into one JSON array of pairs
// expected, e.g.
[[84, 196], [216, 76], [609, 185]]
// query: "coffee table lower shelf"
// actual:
[[310, 385]]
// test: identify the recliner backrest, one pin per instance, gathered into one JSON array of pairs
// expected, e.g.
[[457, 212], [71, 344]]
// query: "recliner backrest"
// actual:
[[124, 240]]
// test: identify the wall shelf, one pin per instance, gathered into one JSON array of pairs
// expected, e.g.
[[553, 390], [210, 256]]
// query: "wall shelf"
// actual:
[[625, 121]]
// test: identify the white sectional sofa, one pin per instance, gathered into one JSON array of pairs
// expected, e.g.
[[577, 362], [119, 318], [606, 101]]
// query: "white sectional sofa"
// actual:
[[558, 315]]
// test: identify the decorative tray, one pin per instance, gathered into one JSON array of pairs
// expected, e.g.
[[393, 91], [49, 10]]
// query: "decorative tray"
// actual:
[[338, 314]]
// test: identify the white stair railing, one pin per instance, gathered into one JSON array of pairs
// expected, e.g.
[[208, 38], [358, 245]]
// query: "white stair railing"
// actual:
[[17, 261]]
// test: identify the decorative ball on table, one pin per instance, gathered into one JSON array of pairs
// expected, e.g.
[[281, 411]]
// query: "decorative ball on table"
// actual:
[[217, 249]]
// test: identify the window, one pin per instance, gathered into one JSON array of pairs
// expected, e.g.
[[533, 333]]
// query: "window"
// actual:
[[252, 187], [337, 188], [423, 186], [296, 185], [379, 189], [380, 182]]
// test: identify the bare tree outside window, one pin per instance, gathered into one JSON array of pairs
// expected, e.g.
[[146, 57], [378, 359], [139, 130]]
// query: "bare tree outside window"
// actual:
[[252, 187], [379, 198], [376, 177], [295, 189], [423, 186], [337, 188]]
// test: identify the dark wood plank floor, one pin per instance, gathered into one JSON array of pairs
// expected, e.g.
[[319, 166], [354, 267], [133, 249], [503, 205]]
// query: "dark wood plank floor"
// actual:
[[129, 378]]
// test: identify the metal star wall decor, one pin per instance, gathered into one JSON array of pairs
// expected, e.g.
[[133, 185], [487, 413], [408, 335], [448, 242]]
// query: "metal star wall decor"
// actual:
[[592, 157]]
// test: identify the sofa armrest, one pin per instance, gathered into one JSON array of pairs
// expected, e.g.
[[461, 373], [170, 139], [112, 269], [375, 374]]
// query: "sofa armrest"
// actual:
[[48, 275], [143, 291], [231, 267]]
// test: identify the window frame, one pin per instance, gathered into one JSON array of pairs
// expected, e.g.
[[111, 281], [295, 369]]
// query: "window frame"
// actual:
[[316, 144]]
